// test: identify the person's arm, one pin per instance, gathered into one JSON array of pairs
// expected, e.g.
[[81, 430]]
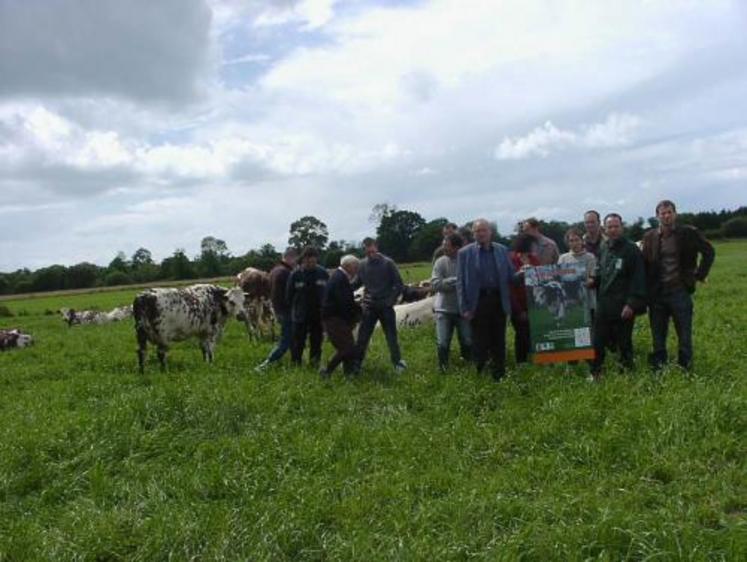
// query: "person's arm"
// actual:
[[397, 283], [440, 283], [290, 290], [636, 297], [460, 286], [707, 255]]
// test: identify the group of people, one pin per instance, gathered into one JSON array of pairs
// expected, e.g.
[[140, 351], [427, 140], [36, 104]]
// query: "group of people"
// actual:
[[309, 302], [479, 286]]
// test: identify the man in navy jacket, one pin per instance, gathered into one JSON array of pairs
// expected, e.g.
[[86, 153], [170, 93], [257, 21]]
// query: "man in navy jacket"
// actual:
[[304, 294], [484, 273]]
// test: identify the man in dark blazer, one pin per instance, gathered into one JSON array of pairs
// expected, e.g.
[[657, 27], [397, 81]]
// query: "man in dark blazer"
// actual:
[[484, 274]]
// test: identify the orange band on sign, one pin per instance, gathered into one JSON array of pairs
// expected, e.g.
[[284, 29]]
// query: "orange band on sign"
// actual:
[[561, 356]]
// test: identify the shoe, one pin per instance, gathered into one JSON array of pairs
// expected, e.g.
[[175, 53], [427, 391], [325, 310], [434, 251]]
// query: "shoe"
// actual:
[[400, 366], [324, 373], [262, 366], [594, 377]]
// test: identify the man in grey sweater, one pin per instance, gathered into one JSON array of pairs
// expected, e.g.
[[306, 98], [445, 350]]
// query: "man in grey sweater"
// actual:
[[446, 306], [382, 284]]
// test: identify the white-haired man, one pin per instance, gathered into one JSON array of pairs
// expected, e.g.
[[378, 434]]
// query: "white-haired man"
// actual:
[[339, 315], [484, 273]]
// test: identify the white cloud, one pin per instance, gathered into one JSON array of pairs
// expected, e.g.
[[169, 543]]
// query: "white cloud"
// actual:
[[617, 130], [311, 14]]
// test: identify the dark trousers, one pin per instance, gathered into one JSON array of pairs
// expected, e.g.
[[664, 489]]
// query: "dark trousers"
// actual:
[[677, 305], [340, 334], [284, 343], [617, 332], [489, 334], [313, 329], [388, 319], [522, 343]]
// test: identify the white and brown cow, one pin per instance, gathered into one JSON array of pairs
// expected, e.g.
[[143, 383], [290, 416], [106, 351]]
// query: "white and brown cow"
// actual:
[[257, 315], [164, 316], [254, 282], [10, 339], [79, 317]]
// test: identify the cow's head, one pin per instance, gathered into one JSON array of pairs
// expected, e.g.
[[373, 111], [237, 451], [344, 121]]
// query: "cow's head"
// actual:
[[68, 315], [233, 300], [24, 340]]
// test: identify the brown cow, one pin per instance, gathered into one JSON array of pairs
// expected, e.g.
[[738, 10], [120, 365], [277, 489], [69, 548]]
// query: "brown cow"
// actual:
[[254, 282]]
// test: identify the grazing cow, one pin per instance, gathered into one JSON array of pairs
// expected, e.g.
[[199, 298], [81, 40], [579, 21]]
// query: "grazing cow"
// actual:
[[78, 317], [164, 316], [14, 338], [254, 282], [552, 296]]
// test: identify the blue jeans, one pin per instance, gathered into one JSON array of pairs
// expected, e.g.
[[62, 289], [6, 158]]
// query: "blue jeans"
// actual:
[[445, 324], [677, 305], [284, 343]]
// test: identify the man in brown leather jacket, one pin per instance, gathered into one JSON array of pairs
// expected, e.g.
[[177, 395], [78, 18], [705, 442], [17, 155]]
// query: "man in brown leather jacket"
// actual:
[[670, 253]]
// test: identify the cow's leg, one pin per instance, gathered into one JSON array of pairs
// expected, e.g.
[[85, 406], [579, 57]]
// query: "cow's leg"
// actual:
[[208, 346], [162, 357], [142, 348]]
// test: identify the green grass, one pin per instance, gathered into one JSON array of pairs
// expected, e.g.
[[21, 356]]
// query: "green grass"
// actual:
[[99, 463]]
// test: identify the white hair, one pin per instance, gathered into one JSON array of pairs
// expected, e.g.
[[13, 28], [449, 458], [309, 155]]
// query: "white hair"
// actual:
[[481, 221], [348, 259]]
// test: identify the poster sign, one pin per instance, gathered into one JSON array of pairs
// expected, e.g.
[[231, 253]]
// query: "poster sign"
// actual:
[[559, 313]]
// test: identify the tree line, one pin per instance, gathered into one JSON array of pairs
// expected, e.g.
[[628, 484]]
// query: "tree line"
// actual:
[[404, 235]]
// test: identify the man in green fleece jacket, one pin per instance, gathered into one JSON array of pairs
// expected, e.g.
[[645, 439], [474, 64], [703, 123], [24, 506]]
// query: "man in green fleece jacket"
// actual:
[[620, 280]]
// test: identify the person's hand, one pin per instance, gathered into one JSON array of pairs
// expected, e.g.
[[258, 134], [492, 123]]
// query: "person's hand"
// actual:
[[469, 315], [627, 312], [590, 283]]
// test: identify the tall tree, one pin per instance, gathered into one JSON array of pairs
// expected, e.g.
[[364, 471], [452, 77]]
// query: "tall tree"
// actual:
[[119, 263], [141, 257], [396, 232], [213, 245], [178, 266], [308, 231]]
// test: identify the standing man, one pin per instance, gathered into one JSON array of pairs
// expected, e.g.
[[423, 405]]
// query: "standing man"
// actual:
[[340, 314], [448, 230], [594, 236], [621, 284], [304, 294], [484, 273], [382, 286], [278, 282], [670, 253], [446, 305], [545, 248]]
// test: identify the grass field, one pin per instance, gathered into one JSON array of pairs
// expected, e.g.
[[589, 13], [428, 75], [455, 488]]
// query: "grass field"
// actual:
[[221, 463]]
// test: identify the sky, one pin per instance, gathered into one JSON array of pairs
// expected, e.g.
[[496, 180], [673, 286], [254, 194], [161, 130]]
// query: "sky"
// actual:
[[153, 124]]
